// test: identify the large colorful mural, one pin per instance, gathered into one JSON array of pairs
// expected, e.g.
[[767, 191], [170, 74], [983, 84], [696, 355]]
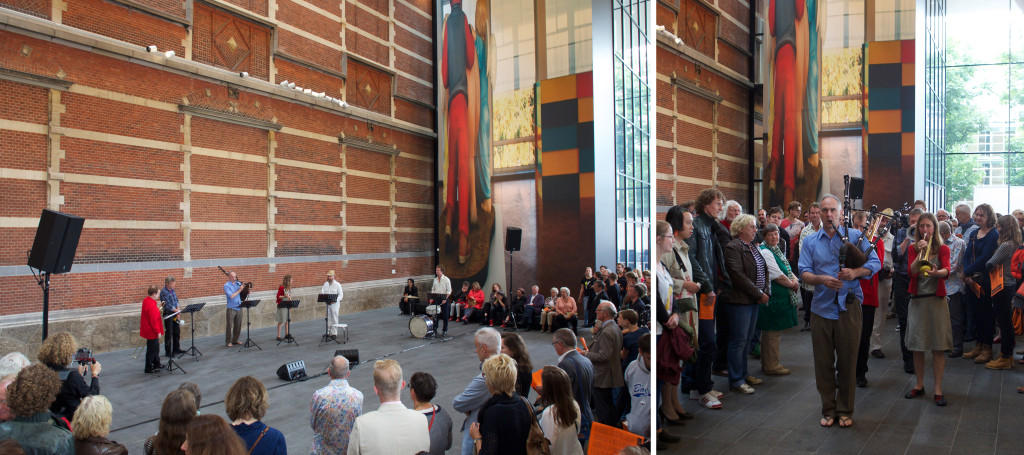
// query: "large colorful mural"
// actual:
[[793, 90]]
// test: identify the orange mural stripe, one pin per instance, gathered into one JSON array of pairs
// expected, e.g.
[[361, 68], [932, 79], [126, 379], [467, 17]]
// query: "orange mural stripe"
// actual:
[[908, 74], [884, 52], [885, 122], [586, 184], [907, 144], [561, 162], [585, 109], [558, 89]]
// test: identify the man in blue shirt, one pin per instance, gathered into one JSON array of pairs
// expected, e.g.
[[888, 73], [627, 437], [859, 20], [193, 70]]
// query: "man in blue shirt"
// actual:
[[835, 312], [233, 324], [172, 331]]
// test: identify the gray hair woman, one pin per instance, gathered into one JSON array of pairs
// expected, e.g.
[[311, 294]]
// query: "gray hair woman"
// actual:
[[780, 312], [750, 287], [547, 318]]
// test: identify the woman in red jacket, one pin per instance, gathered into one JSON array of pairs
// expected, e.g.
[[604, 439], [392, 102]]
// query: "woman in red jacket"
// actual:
[[151, 327]]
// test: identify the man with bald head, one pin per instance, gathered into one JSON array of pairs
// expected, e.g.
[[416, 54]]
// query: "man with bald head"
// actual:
[[334, 410], [605, 354], [374, 431]]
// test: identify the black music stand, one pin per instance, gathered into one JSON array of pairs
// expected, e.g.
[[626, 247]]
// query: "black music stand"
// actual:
[[288, 305], [327, 299], [248, 341], [191, 310]]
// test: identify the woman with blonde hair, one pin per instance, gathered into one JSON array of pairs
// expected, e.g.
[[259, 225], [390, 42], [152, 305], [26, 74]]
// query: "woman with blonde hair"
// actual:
[[211, 435], [1009, 241], [246, 403], [928, 323], [56, 353], [91, 426], [560, 419], [178, 410], [284, 292], [505, 419]]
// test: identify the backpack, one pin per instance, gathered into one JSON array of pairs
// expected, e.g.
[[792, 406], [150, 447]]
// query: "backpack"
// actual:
[[1017, 263]]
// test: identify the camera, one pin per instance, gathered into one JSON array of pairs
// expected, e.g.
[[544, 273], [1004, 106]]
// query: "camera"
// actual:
[[84, 356]]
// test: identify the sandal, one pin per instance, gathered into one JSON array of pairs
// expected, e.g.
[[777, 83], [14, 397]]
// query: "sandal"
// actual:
[[845, 422], [940, 400], [914, 393], [827, 421]]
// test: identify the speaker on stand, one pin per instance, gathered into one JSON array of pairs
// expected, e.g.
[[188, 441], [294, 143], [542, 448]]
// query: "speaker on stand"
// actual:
[[513, 243], [53, 251]]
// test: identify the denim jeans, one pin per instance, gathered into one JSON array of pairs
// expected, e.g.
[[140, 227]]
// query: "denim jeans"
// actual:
[[707, 348], [742, 323]]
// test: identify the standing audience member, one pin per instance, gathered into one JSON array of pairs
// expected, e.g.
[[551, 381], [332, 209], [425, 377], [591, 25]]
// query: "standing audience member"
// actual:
[[730, 211], [178, 410], [56, 353], [29, 397], [92, 426], [211, 435], [981, 245], [422, 388], [964, 227], [392, 428], [780, 312], [836, 319], [560, 419], [638, 385], [813, 225], [928, 326], [775, 217], [686, 279], [151, 328], [604, 353], [748, 270], [1009, 241], [487, 342], [505, 419], [581, 377], [512, 345], [246, 404], [334, 410], [884, 289], [954, 287], [631, 333], [708, 258], [586, 297], [668, 317], [901, 284], [613, 289], [11, 364]]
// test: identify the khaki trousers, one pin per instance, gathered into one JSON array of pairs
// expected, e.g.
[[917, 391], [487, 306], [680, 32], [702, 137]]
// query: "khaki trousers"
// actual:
[[835, 343], [770, 350], [884, 290]]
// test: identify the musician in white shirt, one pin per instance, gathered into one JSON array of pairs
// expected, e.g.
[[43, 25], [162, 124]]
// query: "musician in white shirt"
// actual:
[[441, 286], [332, 287]]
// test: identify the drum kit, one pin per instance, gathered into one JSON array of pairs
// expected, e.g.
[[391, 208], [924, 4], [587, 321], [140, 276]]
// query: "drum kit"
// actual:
[[425, 325]]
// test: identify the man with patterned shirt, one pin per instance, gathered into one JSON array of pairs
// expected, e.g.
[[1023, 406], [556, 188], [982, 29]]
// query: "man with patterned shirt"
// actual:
[[172, 331], [334, 410], [806, 290]]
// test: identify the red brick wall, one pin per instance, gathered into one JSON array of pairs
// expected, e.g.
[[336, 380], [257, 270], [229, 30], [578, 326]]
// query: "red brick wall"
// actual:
[[691, 129], [155, 184]]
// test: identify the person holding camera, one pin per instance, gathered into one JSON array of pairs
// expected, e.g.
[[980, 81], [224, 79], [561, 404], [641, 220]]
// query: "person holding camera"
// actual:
[[56, 352], [151, 327]]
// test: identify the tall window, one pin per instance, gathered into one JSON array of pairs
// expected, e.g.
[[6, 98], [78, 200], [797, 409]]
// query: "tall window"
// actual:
[[631, 41]]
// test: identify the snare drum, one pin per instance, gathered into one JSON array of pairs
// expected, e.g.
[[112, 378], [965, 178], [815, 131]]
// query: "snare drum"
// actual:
[[421, 326], [433, 310]]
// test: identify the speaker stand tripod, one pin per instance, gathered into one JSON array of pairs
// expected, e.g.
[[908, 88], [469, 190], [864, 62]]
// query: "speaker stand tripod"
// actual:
[[170, 367]]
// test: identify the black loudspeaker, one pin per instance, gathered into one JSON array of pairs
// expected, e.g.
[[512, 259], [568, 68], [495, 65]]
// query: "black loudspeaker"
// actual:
[[53, 250], [513, 238], [856, 188], [292, 371], [351, 354]]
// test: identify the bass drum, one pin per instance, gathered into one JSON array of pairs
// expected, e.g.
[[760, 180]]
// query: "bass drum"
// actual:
[[421, 326]]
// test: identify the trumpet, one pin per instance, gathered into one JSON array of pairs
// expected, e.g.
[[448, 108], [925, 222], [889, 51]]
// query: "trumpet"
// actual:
[[922, 265]]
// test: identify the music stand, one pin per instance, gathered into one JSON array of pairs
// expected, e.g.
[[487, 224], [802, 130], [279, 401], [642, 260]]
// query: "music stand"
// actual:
[[248, 341], [191, 310], [288, 305], [327, 299]]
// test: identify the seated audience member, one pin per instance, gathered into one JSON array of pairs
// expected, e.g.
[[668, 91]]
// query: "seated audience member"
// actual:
[[246, 403], [474, 304], [92, 425], [392, 428], [489, 305], [565, 307], [56, 353], [30, 397], [512, 345], [631, 334], [534, 309], [422, 388], [516, 309], [638, 385], [11, 364], [560, 419], [179, 409], [334, 410], [458, 299], [547, 318], [505, 419], [497, 310], [410, 297], [211, 435], [193, 388]]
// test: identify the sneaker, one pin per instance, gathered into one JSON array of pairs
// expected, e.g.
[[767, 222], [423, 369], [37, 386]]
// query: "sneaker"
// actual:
[[877, 353], [780, 371], [753, 381], [862, 381], [743, 388], [694, 395], [708, 400]]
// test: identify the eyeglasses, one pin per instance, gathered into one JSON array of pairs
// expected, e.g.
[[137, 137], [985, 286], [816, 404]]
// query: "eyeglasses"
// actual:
[[555, 342]]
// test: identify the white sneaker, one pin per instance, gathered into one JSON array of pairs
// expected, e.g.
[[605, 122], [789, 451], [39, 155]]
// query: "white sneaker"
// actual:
[[743, 388], [708, 400], [694, 395]]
